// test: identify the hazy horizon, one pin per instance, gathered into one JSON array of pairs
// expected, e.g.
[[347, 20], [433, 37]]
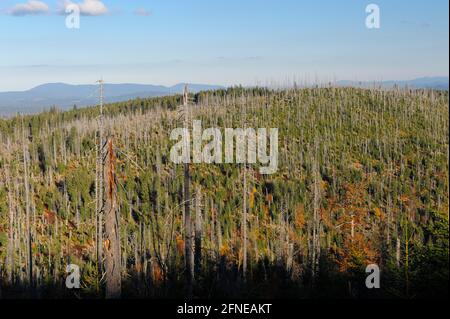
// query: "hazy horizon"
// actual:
[[287, 81], [225, 43]]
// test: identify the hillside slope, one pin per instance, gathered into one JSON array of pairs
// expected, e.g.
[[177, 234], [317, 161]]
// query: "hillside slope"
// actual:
[[362, 178]]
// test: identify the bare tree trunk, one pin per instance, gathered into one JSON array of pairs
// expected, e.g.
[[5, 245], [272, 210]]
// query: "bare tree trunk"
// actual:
[[219, 233], [352, 228], [316, 238], [244, 226], [198, 233], [289, 247], [10, 249], [29, 259], [112, 253], [188, 252], [388, 226], [213, 241], [406, 257], [397, 253], [99, 187]]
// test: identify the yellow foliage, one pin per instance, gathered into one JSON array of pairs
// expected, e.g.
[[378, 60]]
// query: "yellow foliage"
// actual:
[[378, 212], [251, 200], [266, 211], [225, 250]]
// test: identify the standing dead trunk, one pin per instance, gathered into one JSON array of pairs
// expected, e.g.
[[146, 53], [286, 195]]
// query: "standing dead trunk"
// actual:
[[406, 257], [244, 226], [212, 232], [188, 251], [244, 208], [316, 223], [112, 240], [289, 247], [219, 233], [198, 233], [99, 188], [10, 249], [29, 259], [397, 253], [352, 227]]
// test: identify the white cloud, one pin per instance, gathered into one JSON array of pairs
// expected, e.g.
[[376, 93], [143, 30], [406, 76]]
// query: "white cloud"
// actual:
[[142, 12], [88, 7], [32, 7]]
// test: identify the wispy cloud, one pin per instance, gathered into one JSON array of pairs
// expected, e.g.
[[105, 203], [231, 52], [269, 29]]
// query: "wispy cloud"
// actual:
[[237, 58], [142, 12], [87, 7], [423, 25], [32, 7]]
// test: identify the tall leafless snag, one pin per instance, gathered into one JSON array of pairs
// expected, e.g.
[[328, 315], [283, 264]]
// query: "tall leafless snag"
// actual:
[[198, 232], [99, 209], [188, 249], [10, 250], [244, 225], [244, 207], [29, 257], [316, 217], [397, 252], [112, 237]]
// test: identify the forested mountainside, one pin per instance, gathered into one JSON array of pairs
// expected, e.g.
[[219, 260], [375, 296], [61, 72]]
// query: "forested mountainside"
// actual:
[[362, 179]]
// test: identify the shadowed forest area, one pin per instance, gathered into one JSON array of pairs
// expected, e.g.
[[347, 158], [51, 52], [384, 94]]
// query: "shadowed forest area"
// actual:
[[362, 179]]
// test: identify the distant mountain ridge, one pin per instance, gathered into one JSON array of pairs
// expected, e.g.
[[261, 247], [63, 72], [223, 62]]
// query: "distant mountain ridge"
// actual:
[[65, 96], [438, 83]]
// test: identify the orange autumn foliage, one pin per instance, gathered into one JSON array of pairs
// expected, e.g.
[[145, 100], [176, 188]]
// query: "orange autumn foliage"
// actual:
[[404, 198], [225, 250], [357, 250], [157, 273], [180, 244], [49, 216], [300, 216]]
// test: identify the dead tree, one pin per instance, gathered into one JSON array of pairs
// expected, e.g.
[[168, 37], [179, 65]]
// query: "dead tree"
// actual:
[[198, 232], [244, 226], [244, 208], [112, 237], [10, 249], [99, 188], [29, 258], [188, 251], [316, 221]]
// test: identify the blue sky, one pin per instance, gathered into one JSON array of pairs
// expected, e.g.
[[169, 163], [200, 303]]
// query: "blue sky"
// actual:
[[224, 42]]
